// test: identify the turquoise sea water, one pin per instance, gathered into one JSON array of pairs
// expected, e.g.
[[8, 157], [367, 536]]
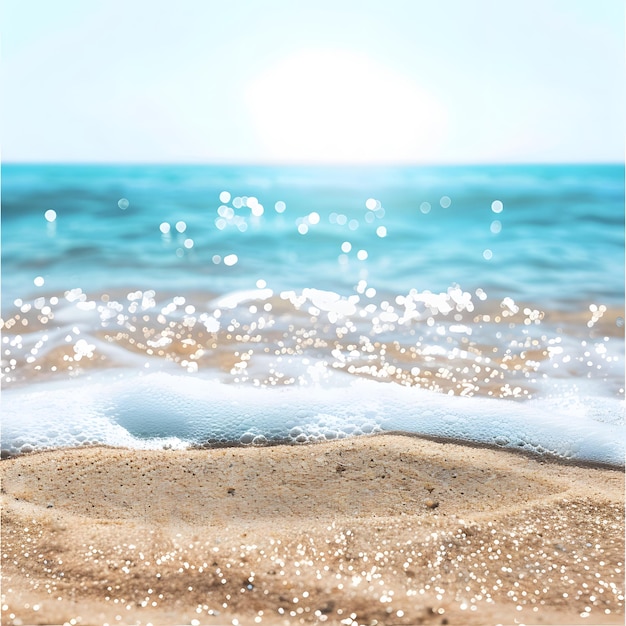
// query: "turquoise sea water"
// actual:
[[177, 305]]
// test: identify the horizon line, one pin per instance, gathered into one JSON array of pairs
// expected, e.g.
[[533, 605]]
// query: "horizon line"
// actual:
[[313, 164]]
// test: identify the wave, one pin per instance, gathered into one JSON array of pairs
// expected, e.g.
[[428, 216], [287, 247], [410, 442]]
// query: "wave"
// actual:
[[163, 410], [453, 342]]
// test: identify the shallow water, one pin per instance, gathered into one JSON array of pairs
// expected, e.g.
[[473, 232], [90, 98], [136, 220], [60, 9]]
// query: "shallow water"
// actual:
[[150, 306]]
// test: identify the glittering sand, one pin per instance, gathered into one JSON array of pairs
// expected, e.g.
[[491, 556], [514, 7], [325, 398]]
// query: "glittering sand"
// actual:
[[375, 530]]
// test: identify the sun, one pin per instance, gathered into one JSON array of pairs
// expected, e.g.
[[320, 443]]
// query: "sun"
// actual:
[[337, 106]]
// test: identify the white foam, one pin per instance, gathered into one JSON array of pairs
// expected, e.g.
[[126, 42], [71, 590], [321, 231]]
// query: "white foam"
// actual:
[[160, 409]]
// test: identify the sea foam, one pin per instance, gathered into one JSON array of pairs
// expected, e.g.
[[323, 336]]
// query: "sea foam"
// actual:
[[163, 410]]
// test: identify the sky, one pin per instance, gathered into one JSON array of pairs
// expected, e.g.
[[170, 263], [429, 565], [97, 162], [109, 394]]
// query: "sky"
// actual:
[[330, 81]]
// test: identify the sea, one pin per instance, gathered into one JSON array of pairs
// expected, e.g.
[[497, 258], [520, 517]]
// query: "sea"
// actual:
[[178, 306]]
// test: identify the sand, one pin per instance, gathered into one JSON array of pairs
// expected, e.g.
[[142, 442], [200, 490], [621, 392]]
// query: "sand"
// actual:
[[387, 529]]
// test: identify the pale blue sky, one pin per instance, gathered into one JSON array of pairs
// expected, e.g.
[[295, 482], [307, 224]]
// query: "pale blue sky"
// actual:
[[327, 81]]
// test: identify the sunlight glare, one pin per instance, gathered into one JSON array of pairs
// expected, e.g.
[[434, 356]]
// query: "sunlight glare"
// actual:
[[340, 106]]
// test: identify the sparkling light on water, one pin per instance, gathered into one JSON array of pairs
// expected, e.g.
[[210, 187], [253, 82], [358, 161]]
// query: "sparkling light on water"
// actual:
[[123, 203], [256, 208], [313, 218], [497, 206], [50, 215], [496, 227], [450, 342]]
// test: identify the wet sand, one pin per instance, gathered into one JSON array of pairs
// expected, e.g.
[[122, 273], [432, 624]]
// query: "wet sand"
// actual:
[[374, 530]]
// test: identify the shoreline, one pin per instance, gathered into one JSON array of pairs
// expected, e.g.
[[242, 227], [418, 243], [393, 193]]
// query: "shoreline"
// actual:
[[545, 458], [391, 528]]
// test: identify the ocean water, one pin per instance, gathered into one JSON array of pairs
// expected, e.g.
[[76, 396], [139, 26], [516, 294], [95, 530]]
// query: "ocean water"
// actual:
[[152, 306]]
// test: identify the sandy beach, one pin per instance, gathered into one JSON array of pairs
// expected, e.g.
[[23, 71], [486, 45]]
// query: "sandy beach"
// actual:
[[385, 529]]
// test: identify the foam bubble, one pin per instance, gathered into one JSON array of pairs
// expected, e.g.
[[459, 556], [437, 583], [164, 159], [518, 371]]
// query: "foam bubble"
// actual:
[[152, 410]]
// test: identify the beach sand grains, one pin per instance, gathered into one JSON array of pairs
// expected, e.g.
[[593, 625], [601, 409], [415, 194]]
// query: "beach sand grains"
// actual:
[[372, 530]]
